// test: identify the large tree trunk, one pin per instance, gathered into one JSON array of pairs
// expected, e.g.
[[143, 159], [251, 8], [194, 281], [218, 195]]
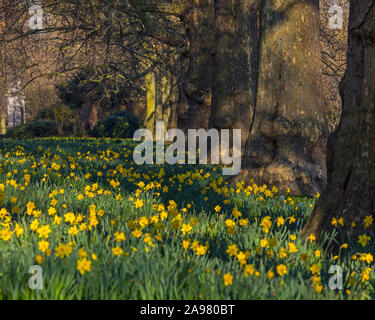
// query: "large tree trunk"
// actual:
[[351, 149], [235, 65], [195, 96], [287, 141]]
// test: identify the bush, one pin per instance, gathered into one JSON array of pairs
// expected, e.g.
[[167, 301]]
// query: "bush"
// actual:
[[33, 129], [117, 125]]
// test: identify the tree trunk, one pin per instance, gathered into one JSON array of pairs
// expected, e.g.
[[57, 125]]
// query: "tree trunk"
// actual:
[[150, 101], [3, 129], [195, 96], [235, 65], [287, 140], [2, 110], [351, 149], [173, 104], [160, 89], [89, 112], [3, 98], [136, 106], [167, 101]]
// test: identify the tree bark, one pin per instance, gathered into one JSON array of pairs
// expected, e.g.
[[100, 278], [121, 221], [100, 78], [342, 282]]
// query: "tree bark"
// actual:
[[2, 109], [3, 129], [3, 90], [167, 99], [287, 140], [195, 95], [350, 193], [150, 82], [235, 64], [89, 111]]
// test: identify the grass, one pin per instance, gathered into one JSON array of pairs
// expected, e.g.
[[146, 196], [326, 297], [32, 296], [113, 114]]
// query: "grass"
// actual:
[[102, 227]]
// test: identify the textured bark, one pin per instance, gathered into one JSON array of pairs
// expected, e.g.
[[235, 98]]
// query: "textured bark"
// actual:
[[219, 86], [150, 101], [351, 149], [173, 104], [334, 47], [160, 97], [235, 65], [89, 113], [3, 129], [287, 141], [195, 94], [136, 106], [167, 100], [2, 109]]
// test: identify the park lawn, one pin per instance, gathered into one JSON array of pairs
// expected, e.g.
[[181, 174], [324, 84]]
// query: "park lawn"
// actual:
[[102, 227]]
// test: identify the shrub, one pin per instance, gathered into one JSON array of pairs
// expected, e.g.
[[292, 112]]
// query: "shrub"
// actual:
[[117, 125], [33, 129]]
